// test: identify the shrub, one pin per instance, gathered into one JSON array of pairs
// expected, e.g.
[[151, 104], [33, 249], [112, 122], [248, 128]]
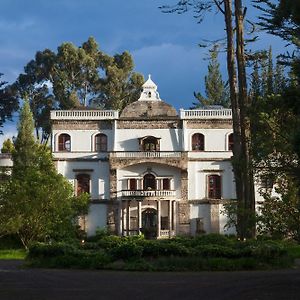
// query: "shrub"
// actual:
[[50, 250], [110, 242], [127, 251], [216, 251], [213, 238]]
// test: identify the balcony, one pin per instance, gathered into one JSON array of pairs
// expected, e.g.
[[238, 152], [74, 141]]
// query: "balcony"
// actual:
[[161, 194], [204, 114], [84, 114], [150, 154]]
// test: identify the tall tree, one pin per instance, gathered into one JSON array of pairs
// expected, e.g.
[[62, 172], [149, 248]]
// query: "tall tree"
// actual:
[[215, 88], [76, 77], [280, 118], [36, 203], [8, 102], [234, 18]]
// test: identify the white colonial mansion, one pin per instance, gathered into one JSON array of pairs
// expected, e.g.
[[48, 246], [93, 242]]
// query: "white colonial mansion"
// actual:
[[148, 169]]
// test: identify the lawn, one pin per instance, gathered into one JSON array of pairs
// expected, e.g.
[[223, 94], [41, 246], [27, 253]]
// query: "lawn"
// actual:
[[13, 254]]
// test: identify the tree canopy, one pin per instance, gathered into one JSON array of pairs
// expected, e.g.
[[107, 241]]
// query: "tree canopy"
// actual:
[[37, 203], [8, 102], [76, 77]]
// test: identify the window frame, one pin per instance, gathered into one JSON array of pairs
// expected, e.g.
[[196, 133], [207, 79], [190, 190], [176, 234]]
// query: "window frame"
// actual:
[[214, 191], [85, 177], [62, 140], [198, 142], [100, 142]]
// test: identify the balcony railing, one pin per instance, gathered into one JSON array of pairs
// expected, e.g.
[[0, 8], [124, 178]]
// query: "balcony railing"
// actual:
[[166, 233], [206, 114], [141, 154], [149, 193], [84, 114]]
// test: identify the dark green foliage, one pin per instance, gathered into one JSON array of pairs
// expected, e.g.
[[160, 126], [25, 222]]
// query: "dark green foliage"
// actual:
[[211, 252], [37, 203], [77, 77], [127, 250], [7, 146], [8, 101]]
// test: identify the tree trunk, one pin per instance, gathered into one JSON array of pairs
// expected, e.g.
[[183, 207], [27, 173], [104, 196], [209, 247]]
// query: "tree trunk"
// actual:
[[241, 160], [246, 205]]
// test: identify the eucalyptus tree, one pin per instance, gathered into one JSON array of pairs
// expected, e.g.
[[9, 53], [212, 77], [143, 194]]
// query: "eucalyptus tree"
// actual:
[[233, 13], [74, 77], [8, 101]]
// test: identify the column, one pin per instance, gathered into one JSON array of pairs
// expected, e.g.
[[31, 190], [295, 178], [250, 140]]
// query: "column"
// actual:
[[174, 216], [170, 217], [158, 219], [115, 135], [122, 219], [139, 209], [127, 217]]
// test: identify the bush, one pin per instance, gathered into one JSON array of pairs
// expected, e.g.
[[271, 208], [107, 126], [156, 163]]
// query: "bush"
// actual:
[[213, 238], [50, 250], [216, 251], [110, 242], [127, 250]]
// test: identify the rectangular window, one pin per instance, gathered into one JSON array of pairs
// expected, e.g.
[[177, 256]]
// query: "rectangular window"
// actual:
[[214, 186], [166, 184], [132, 184]]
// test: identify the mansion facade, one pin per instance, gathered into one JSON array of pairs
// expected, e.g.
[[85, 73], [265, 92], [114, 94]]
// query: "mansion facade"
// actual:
[[148, 169]]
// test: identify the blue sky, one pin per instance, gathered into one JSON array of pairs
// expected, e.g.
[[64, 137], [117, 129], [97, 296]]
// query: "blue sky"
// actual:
[[164, 45]]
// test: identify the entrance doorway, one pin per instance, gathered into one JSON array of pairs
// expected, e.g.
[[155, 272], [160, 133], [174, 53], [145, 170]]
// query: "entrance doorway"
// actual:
[[149, 223]]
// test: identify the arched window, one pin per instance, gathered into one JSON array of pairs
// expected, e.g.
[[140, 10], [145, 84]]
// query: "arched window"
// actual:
[[149, 182], [230, 142], [101, 142], [214, 186], [64, 142], [149, 143], [83, 183], [198, 142]]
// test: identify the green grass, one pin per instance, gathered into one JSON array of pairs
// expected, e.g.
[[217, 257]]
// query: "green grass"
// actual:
[[13, 254]]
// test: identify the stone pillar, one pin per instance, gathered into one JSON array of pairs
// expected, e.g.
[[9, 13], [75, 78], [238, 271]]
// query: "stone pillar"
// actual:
[[174, 213], [170, 217], [122, 218], [214, 218], [127, 217], [114, 135], [183, 206], [112, 206], [158, 218]]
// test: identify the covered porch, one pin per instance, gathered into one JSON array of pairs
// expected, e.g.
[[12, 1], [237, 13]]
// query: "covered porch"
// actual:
[[156, 219]]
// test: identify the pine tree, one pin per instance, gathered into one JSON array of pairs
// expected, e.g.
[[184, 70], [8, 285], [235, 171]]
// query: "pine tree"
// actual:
[[37, 203], [25, 145], [215, 88], [8, 146]]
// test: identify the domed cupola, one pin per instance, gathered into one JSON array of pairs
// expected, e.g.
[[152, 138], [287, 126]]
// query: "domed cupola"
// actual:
[[149, 105], [149, 92]]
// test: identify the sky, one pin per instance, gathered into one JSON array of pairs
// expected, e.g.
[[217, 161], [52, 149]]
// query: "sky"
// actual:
[[163, 45]]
